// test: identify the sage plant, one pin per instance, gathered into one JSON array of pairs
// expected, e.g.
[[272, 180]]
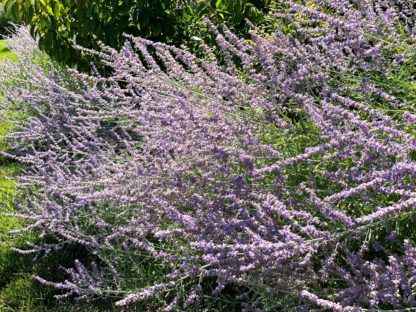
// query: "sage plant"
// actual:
[[260, 169]]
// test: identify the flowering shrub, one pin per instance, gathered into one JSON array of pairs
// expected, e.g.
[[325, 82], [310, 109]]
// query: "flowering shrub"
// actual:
[[280, 173]]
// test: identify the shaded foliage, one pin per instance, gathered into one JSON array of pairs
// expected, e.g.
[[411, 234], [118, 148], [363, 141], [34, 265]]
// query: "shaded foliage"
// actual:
[[60, 24]]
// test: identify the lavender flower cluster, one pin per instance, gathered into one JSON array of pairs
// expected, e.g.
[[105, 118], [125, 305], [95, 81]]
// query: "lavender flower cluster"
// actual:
[[260, 173]]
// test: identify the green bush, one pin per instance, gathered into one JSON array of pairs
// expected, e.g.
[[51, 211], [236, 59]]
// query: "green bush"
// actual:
[[5, 20], [61, 23]]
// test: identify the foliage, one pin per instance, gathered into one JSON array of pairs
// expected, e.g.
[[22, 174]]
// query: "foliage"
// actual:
[[286, 178], [60, 24], [231, 13], [5, 20]]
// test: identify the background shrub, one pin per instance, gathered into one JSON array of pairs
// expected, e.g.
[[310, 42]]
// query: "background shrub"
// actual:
[[61, 24], [5, 20]]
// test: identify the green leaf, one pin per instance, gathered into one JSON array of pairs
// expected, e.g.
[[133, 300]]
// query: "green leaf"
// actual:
[[156, 28], [49, 10], [37, 6], [42, 23], [57, 6]]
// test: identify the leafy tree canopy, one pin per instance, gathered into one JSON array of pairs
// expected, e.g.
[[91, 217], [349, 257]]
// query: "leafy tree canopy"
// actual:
[[61, 23]]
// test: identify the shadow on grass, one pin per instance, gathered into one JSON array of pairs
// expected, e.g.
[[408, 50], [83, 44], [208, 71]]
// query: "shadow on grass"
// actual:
[[20, 292]]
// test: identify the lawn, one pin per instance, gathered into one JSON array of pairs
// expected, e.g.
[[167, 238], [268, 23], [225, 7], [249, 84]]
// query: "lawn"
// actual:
[[4, 51]]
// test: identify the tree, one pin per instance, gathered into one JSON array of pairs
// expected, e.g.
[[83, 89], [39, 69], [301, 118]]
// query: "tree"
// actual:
[[60, 24]]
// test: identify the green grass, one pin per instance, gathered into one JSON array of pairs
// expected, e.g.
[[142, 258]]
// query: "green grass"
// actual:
[[5, 52]]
